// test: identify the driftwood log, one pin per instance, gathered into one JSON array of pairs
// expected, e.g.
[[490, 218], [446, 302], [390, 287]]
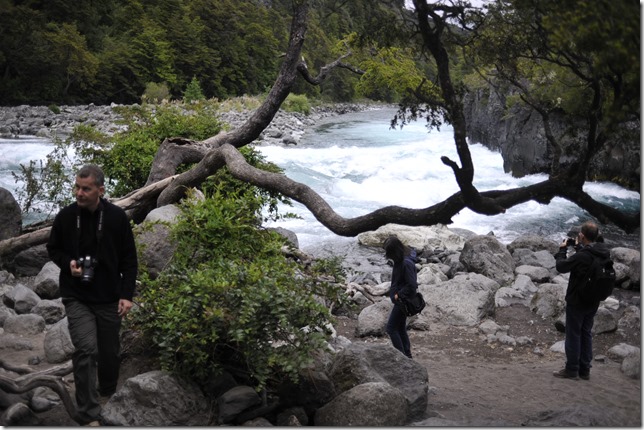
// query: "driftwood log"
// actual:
[[30, 379]]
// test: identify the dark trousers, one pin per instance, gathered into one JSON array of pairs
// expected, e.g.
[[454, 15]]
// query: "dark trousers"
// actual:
[[579, 338], [397, 331], [94, 330]]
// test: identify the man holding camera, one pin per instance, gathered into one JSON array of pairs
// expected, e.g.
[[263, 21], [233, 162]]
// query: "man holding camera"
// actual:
[[92, 242], [579, 315]]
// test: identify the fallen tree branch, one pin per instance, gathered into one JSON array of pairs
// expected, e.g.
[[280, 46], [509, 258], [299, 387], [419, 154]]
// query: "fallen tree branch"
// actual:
[[50, 378]]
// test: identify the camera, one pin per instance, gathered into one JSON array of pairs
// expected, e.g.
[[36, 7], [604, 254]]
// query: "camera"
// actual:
[[88, 264], [570, 241]]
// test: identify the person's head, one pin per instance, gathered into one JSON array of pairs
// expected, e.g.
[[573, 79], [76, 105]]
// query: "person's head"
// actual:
[[394, 249], [589, 232], [89, 186]]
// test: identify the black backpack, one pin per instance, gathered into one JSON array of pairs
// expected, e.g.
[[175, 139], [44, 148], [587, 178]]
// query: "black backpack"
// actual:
[[600, 282]]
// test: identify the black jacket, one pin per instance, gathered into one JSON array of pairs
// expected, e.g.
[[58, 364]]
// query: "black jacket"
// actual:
[[403, 278], [116, 271], [578, 264]]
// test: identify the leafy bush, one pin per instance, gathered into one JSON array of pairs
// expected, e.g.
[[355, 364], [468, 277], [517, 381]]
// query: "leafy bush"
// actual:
[[297, 103], [54, 108], [230, 298], [155, 93]]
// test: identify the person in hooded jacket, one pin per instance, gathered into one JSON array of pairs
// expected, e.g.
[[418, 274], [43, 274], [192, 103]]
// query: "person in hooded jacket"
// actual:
[[403, 285], [580, 315]]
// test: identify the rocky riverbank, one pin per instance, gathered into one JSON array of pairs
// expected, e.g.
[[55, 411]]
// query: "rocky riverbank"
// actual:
[[484, 348], [41, 121]]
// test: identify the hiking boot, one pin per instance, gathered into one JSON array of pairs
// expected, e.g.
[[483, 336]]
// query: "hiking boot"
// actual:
[[566, 374], [584, 376]]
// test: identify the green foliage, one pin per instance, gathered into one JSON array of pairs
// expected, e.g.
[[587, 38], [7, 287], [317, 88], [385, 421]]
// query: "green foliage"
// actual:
[[391, 73], [74, 63], [54, 108], [230, 299], [297, 103], [193, 91], [126, 157], [108, 51], [46, 186], [156, 93]]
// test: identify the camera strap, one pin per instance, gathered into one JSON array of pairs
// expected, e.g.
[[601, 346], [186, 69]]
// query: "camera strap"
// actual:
[[99, 229]]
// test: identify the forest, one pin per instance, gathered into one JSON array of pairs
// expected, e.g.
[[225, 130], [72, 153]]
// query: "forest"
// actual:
[[69, 52]]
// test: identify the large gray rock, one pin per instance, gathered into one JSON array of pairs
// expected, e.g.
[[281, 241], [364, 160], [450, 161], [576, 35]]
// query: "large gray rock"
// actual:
[[549, 301], [153, 239], [464, 300], [235, 401], [361, 363], [372, 404], [46, 283], [489, 257], [373, 319], [52, 311], [157, 399], [24, 324], [21, 299], [632, 365], [30, 261], [436, 236], [533, 243], [578, 416], [10, 215], [5, 312], [58, 344], [628, 266], [605, 321]]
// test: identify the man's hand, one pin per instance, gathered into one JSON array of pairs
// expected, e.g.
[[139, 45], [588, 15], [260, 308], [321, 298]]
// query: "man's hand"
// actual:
[[124, 307], [76, 270]]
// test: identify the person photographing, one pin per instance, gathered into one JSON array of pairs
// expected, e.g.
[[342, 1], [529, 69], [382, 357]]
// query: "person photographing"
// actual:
[[92, 243], [580, 313]]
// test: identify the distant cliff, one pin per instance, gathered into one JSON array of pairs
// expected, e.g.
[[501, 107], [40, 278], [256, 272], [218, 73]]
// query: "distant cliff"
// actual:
[[518, 134]]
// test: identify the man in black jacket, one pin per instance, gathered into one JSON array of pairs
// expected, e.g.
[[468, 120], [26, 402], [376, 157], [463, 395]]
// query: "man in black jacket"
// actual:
[[579, 315], [93, 244]]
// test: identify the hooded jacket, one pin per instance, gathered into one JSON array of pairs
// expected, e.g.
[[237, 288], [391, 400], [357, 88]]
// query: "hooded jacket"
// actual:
[[578, 264], [116, 270], [403, 278]]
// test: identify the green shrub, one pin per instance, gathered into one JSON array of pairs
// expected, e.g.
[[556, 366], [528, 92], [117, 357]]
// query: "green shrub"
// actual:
[[155, 93], [127, 157], [230, 299], [297, 103], [54, 108], [193, 92]]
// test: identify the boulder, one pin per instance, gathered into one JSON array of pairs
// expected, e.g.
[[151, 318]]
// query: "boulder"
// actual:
[[420, 238], [489, 257], [46, 283], [10, 215], [158, 399], [58, 343], [372, 404], [464, 300], [27, 324], [21, 299], [361, 363]]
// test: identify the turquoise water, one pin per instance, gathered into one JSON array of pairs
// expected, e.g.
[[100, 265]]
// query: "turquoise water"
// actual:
[[358, 164]]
